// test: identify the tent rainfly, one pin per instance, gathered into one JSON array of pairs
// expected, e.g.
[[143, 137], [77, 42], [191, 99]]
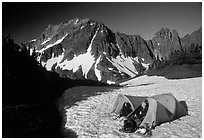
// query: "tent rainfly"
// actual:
[[162, 108]]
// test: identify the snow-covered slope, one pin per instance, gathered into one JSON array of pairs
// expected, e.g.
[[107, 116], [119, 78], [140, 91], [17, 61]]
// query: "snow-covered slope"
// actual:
[[92, 117]]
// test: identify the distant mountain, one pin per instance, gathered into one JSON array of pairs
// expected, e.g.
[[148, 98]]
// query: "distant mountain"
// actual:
[[87, 49], [164, 42], [193, 38]]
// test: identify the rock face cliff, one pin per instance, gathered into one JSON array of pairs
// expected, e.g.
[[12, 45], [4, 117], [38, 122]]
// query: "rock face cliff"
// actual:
[[164, 42], [87, 49]]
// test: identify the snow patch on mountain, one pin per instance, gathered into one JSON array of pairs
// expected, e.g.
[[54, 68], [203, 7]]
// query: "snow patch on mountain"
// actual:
[[104, 53], [51, 45], [76, 21], [31, 51], [125, 64], [33, 40], [136, 59], [48, 65], [97, 72], [146, 65], [90, 45], [39, 57], [45, 41], [85, 60], [110, 68], [82, 27], [110, 82]]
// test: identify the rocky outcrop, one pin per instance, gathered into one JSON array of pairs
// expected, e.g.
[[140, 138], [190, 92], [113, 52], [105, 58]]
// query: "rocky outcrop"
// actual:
[[193, 38], [164, 42], [87, 49]]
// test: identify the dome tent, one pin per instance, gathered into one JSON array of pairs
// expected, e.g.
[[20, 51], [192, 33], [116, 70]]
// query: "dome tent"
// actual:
[[162, 108]]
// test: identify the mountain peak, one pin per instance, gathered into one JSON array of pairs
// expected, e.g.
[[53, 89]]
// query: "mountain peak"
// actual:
[[87, 49], [195, 37]]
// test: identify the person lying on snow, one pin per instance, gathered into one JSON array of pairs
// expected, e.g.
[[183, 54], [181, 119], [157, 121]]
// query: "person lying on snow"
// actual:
[[134, 119]]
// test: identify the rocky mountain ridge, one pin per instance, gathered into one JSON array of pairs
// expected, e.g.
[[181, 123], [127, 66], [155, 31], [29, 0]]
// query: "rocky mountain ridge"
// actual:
[[87, 49]]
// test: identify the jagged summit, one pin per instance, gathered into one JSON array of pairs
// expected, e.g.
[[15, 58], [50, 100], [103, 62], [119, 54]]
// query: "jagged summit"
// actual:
[[87, 49]]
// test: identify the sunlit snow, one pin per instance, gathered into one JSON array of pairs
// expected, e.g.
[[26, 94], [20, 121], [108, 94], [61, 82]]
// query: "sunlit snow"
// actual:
[[110, 68], [52, 61], [82, 27], [104, 53], [125, 65], [70, 21], [146, 65], [110, 82], [43, 63], [45, 41], [76, 21], [97, 72], [38, 57], [50, 45], [136, 59], [31, 51], [33, 40], [85, 60]]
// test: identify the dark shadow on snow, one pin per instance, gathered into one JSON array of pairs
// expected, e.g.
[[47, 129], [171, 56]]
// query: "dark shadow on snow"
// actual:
[[68, 133], [147, 84], [29, 95], [73, 95], [140, 85]]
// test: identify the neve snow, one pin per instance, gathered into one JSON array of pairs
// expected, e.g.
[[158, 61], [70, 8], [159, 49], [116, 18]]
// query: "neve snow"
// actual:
[[91, 117]]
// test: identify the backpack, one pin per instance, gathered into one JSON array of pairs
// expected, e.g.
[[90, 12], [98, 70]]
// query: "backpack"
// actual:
[[131, 124], [126, 110]]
